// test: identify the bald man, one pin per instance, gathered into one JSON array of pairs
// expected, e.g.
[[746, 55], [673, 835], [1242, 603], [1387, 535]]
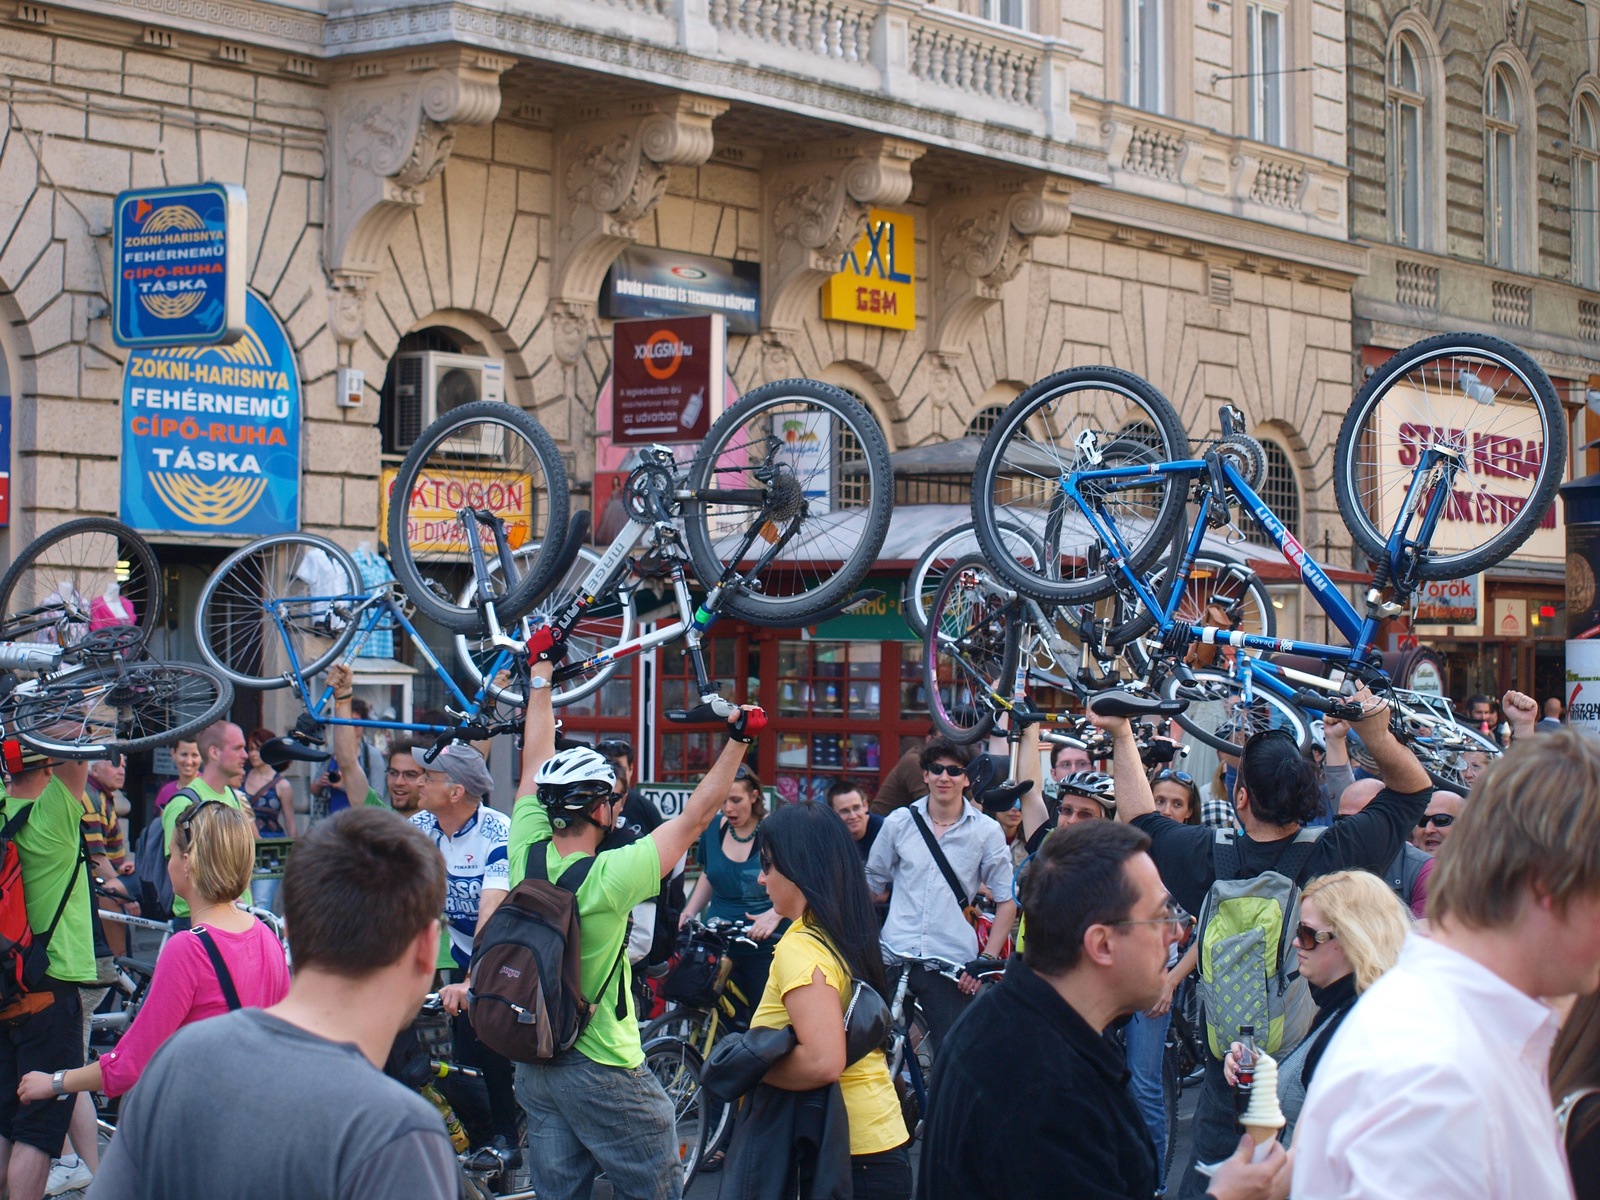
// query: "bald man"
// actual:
[[1402, 874], [1438, 822]]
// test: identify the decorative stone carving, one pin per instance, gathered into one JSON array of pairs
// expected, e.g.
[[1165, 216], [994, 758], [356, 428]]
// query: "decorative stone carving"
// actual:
[[777, 358], [389, 135], [816, 201], [979, 241], [611, 171]]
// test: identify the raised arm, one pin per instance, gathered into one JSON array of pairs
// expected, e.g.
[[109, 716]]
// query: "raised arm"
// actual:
[[539, 726], [673, 838], [1026, 767], [1522, 713], [1397, 766], [347, 738], [1134, 798]]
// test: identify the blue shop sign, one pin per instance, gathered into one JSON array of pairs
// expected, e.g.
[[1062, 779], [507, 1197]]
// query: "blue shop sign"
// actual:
[[179, 266], [211, 435]]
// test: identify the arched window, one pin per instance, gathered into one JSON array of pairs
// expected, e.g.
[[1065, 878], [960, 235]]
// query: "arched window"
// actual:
[[1142, 50], [1586, 192], [1281, 491], [1500, 120], [1407, 103], [985, 420]]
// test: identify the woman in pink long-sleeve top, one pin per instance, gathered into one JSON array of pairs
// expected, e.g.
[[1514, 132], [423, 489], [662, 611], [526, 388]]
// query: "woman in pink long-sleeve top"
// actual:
[[213, 853]]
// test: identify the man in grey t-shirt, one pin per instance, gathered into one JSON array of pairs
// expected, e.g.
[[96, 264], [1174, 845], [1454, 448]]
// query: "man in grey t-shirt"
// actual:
[[362, 895]]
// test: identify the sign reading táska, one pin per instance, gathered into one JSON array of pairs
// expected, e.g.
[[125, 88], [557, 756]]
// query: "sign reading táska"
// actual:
[[211, 435], [661, 379], [179, 266]]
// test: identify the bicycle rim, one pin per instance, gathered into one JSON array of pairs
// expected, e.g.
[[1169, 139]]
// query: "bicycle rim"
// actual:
[[1491, 405], [798, 494], [1223, 721], [485, 455], [289, 577], [63, 572], [602, 627], [82, 713], [677, 1067], [970, 651], [923, 585], [1089, 418]]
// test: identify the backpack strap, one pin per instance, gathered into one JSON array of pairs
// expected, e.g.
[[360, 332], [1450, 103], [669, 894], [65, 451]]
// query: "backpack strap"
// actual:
[[571, 880], [1224, 854], [8, 831], [229, 992], [66, 894], [1293, 860]]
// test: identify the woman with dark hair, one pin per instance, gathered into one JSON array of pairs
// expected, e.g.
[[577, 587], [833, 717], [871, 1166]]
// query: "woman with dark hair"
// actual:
[[730, 889], [1176, 795], [271, 802], [1575, 1088], [810, 867]]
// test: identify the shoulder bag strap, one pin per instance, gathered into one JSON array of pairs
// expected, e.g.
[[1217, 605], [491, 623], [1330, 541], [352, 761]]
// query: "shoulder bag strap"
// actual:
[[229, 992], [939, 858]]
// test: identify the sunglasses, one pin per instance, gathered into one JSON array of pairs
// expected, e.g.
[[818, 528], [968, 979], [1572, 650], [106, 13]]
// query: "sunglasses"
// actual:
[[1437, 820], [945, 769], [1308, 938], [744, 772], [189, 816], [1166, 773]]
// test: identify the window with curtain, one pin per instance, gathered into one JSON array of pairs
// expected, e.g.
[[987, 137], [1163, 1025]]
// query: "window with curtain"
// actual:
[[1500, 156], [1141, 54], [1264, 53], [1406, 104], [1586, 192]]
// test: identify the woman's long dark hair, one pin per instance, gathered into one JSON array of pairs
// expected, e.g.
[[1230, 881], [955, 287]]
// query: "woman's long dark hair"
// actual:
[[1575, 1061], [811, 848]]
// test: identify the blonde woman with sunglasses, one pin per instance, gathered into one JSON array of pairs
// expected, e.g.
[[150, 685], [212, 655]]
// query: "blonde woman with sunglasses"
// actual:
[[1350, 933], [226, 959]]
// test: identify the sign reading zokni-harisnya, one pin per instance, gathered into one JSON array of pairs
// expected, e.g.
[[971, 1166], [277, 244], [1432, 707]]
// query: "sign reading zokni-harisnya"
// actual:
[[211, 435]]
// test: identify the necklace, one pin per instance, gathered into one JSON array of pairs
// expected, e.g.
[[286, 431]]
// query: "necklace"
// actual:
[[734, 833], [943, 824]]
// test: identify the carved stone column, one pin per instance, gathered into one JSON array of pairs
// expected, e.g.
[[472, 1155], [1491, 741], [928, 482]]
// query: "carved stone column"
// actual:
[[814, 203], [979, 240], [389, 133]]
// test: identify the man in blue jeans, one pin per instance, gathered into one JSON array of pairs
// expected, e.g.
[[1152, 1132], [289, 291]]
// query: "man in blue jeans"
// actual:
[[596, 1107]]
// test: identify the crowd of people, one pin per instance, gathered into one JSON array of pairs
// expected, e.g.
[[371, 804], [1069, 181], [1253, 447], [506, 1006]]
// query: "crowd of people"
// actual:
[[1433, 1017]]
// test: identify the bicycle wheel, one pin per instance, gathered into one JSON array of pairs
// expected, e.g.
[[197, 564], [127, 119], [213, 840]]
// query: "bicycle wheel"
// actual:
[[1171, 1089], [602, 626], [485, 455], [677, 1066], [1482, 400], [1213, 581], [970, 650], [685, 1024], [48, 592], [923, 584], [1083, 419], [792, 488], [277, 596], [1223, 720], [139, 706]]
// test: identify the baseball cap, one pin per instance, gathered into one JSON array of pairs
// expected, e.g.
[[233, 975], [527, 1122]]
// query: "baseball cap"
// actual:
[[465, 766]]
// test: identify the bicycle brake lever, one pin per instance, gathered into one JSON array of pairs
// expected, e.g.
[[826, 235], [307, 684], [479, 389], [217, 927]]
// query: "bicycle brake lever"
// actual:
[[1339, 710]]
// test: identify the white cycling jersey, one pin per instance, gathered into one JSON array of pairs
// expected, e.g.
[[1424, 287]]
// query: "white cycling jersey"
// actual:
[[474, 859]]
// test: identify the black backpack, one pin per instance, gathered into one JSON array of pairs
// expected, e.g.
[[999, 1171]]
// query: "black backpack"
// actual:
[[150, 866], [527, 1000]]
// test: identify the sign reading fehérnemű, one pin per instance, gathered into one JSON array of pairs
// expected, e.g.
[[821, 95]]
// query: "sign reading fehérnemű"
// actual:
[[662, 376], [211, 435], [180, 273]]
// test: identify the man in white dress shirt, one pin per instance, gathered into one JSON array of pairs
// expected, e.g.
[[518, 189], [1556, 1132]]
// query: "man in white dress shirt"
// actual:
[[1436, 1085]]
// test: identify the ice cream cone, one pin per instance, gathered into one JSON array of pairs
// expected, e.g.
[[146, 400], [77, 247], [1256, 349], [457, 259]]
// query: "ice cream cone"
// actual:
[[1262, 1134]]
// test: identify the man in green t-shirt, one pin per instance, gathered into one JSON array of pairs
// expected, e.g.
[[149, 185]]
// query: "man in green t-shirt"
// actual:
[[591, 1108], [46, 1034], [223, 752]]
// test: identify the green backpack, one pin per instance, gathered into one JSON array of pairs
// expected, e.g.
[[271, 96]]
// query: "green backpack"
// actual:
[[1247, 926]]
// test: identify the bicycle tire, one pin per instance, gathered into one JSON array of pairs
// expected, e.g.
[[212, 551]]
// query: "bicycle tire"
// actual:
[[683, 1024], [589, 636], [1151, 432], [1363, 438], [681, 1063], [972, 640], [92, 702], [500, 444], [801, 583], [26, 583], [1171, 1089], [922, 586], [1211, 721], [237, 634]]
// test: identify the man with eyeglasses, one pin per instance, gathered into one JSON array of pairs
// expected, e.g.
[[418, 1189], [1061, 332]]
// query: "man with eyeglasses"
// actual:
[[1030, 1059], [1277, 792], [930, 858]]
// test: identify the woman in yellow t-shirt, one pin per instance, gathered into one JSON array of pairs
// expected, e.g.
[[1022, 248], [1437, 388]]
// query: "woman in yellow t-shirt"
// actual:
[[812, 871]]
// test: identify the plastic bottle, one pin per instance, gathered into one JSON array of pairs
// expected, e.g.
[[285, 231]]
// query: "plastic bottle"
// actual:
[[452, 1123], [1246, 1073]]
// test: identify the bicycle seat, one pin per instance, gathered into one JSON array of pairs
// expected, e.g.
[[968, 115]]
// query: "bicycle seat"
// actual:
[[994, 796], [280, 752], [1126, 704]]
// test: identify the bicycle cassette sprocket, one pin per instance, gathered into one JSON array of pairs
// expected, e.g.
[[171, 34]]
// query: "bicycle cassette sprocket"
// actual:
[[1247, 455]]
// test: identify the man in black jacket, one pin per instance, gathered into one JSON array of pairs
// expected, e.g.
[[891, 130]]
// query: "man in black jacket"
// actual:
[[1030, 1100]]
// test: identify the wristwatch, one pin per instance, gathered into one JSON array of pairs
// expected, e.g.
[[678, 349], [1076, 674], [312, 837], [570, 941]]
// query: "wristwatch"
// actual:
[[58, 1083], [538, 683]]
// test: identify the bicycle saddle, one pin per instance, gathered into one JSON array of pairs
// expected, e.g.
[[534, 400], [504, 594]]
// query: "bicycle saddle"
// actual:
[[993, 795], [1126, 704], [280, 752]]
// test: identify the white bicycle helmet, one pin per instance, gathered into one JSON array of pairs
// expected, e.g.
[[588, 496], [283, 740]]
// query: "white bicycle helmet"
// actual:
[[1096, 785], [572, 781]]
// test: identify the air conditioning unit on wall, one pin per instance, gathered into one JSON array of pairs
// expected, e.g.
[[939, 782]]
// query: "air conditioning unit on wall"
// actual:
[[429, 383]]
